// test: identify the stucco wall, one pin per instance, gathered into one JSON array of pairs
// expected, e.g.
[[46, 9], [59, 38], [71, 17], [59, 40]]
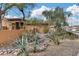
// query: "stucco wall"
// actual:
[[7, 24], [40, 28]]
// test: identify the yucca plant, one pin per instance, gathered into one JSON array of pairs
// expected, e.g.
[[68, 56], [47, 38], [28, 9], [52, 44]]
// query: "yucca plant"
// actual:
[[36, 39], [36, 42], [22, 44]]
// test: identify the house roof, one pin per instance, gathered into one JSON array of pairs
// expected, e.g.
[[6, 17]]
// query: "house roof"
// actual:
[[37, 24], [14, 19]]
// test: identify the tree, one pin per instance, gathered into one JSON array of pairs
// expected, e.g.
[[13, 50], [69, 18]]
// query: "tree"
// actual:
[[57, 19], [3, 10], [5, 7], [22, 7], [48, 15]]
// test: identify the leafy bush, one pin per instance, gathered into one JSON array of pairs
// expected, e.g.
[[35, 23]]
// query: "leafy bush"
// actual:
[[45, 30]]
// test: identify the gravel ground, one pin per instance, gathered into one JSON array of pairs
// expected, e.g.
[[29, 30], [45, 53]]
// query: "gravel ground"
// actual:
[[66, 48]]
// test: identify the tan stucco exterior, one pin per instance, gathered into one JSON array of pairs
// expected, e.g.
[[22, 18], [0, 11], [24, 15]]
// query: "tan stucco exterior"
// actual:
[[40, 28], [6, 24], [11, 25]]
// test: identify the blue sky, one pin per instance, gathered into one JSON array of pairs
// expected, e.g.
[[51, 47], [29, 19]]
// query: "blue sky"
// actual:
[[39, 7], [52, 5], [16, 12]]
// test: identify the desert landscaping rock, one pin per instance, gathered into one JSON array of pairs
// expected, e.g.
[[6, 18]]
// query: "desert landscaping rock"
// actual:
[[78, 54], [66, 48], [1, 52], [15, 53], [47, 48]]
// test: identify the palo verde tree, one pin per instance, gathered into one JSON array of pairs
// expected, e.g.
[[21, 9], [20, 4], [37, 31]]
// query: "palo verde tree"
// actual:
[[58, 20]]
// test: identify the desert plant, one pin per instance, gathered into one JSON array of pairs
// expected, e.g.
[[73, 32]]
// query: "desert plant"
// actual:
[[36, 42], [45, 30], [71, 35], [55, 37], [57, 19], [22, 44]]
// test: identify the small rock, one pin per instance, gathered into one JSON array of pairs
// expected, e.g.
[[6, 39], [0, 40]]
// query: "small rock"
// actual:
[[78, 54], [5, 52], [15, 53], [1, 53]]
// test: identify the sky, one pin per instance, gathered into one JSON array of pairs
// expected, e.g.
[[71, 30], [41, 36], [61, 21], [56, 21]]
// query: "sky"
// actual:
[[40, 7]]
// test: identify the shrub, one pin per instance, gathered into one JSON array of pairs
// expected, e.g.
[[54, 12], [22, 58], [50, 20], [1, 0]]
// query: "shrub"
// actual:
[[45, 30]]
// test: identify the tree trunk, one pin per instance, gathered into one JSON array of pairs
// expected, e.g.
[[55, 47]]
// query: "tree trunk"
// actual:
[[23, 15], [1, 18], [0, 22], [23, 19]]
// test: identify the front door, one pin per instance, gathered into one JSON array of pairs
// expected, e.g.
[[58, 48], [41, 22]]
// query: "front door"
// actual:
[[17, 25], [13, 26]]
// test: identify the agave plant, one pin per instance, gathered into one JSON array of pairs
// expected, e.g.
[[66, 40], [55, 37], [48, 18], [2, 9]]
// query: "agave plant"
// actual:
[[22, 44], [36, 42]]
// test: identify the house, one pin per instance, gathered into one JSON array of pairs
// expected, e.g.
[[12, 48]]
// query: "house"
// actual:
[[17, 23], [40, 27], [71, 28], [12, 23]]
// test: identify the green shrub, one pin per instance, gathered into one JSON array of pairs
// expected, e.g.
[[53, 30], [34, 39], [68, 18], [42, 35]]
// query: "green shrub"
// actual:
[[45, 30]]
